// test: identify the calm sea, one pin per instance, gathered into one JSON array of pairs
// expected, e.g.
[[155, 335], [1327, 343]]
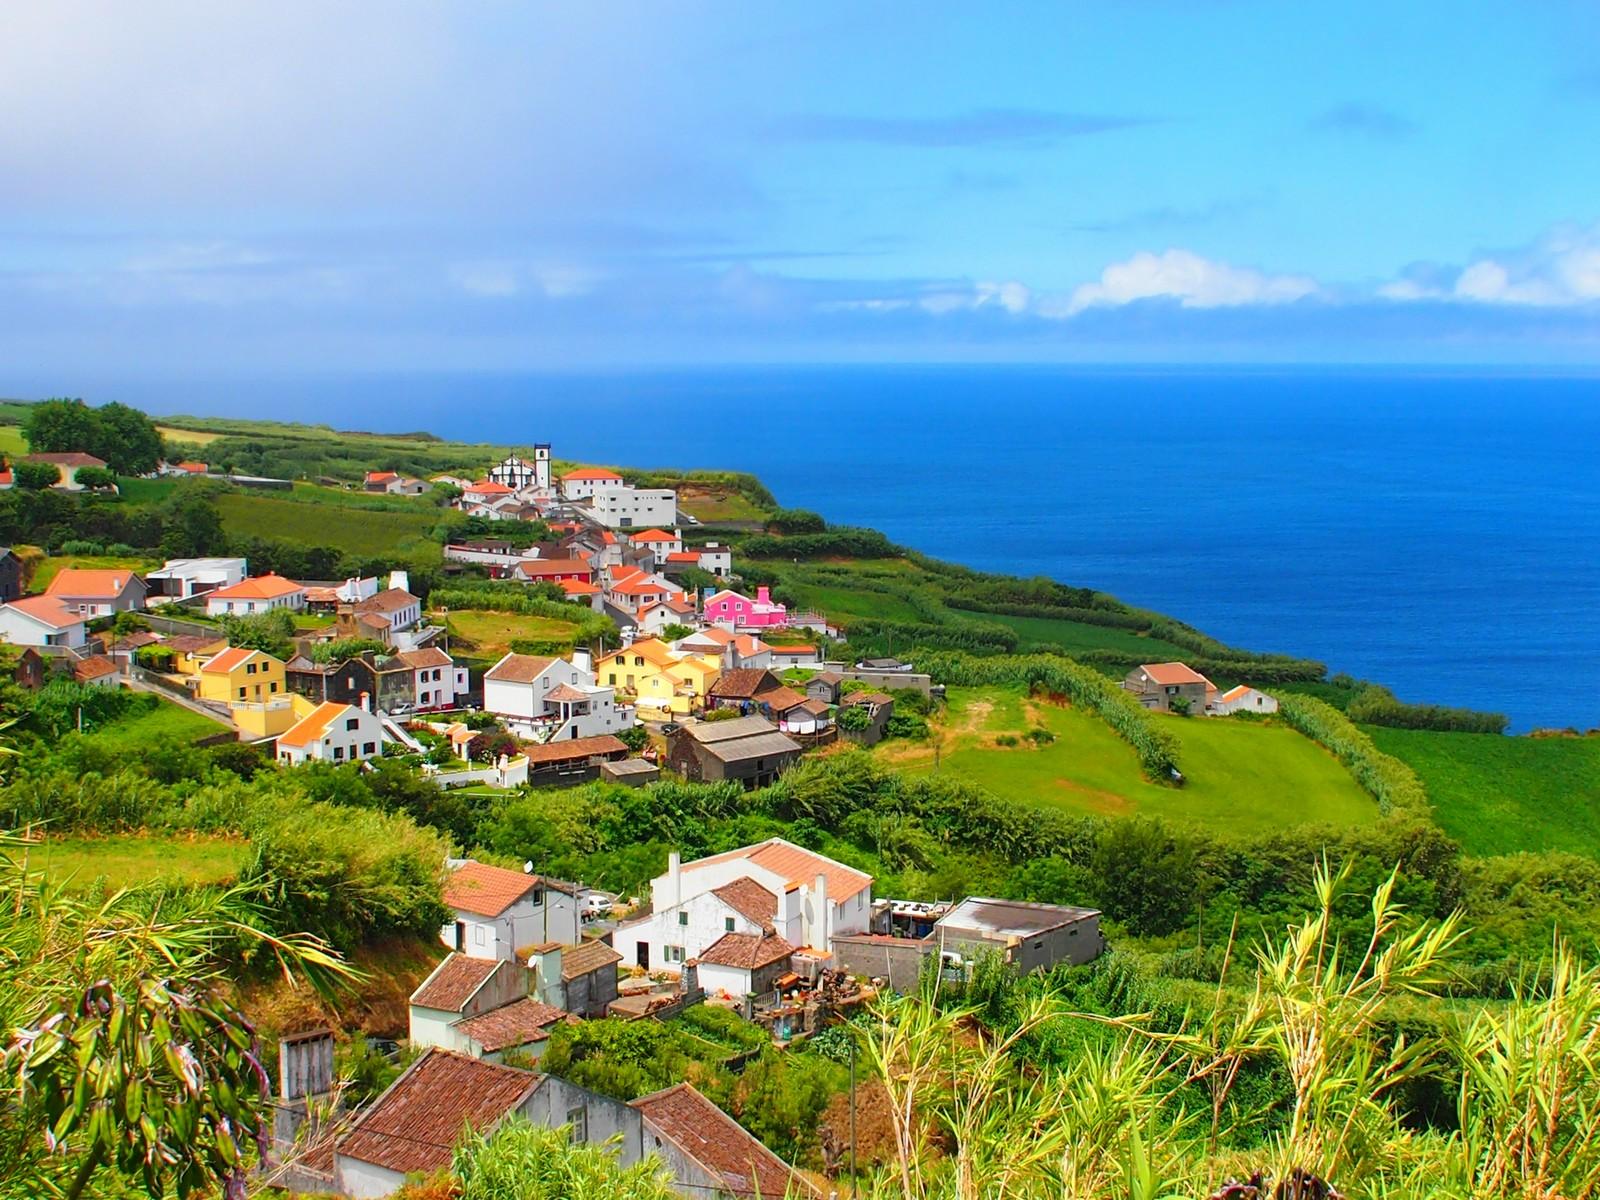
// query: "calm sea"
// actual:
[[1439, 532]]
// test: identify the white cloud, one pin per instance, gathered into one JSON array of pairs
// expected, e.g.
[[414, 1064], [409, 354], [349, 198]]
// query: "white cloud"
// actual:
[[1560, 269], [1182, 275]]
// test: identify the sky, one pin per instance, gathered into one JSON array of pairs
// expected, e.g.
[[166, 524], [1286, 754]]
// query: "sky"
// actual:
[[392, 186]]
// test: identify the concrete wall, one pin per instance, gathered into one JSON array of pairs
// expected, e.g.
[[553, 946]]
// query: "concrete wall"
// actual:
[[358, 1179], [588, 995], [899, 960], [885, 680], [554, 1105]]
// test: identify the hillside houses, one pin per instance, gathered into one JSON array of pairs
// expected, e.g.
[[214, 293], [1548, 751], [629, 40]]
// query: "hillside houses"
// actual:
[[659, 679], [256, 595], [497, 911], [746, 750], [98, 592], [736, 611], [544, 698]]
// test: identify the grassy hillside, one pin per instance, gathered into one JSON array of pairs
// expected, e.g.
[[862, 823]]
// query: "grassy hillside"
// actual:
[[486, 636], [1244, 777], [137, 858], [1498, 795], [358, 530], [49, 568], [1077, 636]]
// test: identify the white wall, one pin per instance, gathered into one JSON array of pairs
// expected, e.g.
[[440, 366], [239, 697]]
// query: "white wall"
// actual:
[[621, 507], [523, 924], [21, 630], [368, 731], [708, 919]]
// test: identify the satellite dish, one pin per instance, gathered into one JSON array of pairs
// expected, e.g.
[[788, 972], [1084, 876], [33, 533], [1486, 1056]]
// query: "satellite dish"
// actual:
[[527, 867]]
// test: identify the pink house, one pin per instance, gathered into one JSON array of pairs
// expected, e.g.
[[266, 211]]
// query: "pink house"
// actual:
[[740, 612]]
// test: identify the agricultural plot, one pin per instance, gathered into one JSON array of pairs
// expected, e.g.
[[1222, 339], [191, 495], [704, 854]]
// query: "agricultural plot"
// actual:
[[370, 532]]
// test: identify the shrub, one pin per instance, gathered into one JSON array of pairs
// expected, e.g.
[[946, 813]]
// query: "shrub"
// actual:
[[36, 476], [78, 546], [1375, 705]]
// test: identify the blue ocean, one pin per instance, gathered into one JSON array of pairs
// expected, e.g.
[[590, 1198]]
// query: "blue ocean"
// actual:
[[1438, 531]]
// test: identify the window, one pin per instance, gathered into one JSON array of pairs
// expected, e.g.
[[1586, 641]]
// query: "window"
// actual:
[[727, 924], [250, 669], [578, 1119], [241, 693], [352, 723], [273, 686], [369, 748], [612, 679], [683, 918], [338, 754], [672, 954], [537, 897]]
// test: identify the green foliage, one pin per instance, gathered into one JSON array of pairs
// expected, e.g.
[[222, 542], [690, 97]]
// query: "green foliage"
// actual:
[[35, 476], [635, 737], [57, 707], [1375, 705], [95, 477], [1394, 785], [675, 632], [345, 649], [1146, 874], [840, 541], [271, 632], [854, 717], [124, 437], [519, 1161], [192, 526], [796, 520], [593, 627]]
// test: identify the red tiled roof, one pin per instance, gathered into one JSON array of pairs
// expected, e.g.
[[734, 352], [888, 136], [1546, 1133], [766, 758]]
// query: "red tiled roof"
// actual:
[[793, 649], [73, 458], [571, 748], [486, 891], [389, 600], [381, 476], [565, 691], [577, 587], [743, 683], [780, 699], [747, 951], [554, 566], [194, 468], [488, 487], [230, 658], [428, 656], [94, 667], [1169, 674], [453, 982], [655, 535], [586, 958], [414, 1126], [748, 898], [594, 473], [515, 1024], [688, 556], [718, 1143], [519, 668]]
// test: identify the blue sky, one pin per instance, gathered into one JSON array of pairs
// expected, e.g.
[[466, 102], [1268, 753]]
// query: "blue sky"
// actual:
[[307, 186]]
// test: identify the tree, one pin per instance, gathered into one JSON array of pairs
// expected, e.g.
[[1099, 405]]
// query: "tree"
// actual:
[[674, 632], [193, 527], [36, 476], [269, 631], [128, 440], [95, 477], [60, 427], [1145, 876]]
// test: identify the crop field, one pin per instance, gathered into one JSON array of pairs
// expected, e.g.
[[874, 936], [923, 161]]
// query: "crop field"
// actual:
[[1499, 795], [488, 635], [1080, 635], [1243, 777], [136, 858], [195, 437], [369, 532]]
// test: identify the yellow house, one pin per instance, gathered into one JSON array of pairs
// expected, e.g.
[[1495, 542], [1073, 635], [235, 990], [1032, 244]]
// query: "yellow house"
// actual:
[[238, 675], [659, 679], [190, 652]]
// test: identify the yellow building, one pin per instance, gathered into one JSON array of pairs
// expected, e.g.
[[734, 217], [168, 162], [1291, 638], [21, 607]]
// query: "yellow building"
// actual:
[[661, 681], [190, 652], [238, 675], [268, 718]]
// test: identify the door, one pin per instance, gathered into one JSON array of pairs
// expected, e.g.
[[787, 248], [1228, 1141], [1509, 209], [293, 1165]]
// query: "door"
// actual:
[[461, 936], [642, 956]]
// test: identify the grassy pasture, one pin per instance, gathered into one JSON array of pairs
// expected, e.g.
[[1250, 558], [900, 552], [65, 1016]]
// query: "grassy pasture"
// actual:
[[1244, 777], [127, 859], [488, 635], [364, 531], [49, 568]]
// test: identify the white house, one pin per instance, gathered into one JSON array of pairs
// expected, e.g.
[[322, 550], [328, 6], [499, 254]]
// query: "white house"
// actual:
[[395, 605], [499, 912], [544, 699], [41, 621], [437, 681], [771, 890], [658, 542], [618, 506], [712, 558], [1242, 699], [481, 1007], [581, 484], [332, 732], [261, 594], [650, 620], [180, 578]]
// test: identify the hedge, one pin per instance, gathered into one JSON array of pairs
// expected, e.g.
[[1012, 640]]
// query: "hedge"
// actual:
[[1393, 784]]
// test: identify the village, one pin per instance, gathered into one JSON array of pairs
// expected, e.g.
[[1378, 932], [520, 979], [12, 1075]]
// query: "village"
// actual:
[[704, 684]]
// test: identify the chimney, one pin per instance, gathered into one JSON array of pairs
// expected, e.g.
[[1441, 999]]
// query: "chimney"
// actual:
[[762, 595], [366, 701], [819, 919], [583, 661], [401, 580], [305, 1064], [674, 879], [545, 970], [689, 979]]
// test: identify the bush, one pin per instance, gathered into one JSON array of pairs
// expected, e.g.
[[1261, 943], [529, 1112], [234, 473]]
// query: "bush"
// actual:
[[36, 476], [95, 477], [78, 546], [796, 520], [1375, 705]]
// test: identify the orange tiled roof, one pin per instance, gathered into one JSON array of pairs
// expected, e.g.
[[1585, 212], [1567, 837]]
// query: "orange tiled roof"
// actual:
[[717, 1142], [104, 583], [260, 587], [655, 535], [453, 982], [312, 727], [47, 610], [486, 891], [795, 864], [592, 473], [1169, 674], [230, 658]]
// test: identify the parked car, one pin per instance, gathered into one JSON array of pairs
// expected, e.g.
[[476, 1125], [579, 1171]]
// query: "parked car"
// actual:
[[596, 905], [671, 727]]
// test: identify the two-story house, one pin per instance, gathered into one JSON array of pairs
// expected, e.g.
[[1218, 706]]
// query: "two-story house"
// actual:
[[437, 681], [657, 677], [761, 904], [734, 610], [1169, 687], [498, 912], [544, 698], [241, 675]]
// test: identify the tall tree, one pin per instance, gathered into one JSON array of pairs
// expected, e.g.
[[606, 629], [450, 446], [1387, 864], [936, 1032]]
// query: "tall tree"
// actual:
[[60, 427], [128, 440]]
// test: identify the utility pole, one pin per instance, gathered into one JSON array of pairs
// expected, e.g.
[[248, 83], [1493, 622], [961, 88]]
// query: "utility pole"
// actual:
[[852, 1033]]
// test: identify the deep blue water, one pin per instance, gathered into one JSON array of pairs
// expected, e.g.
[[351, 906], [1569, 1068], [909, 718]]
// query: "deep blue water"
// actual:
[[1439, 532]]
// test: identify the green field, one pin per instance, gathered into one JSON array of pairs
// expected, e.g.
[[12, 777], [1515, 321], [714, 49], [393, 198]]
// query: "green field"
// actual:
[[369, 532], [1079, 635], [167, 722], [488, 635], [135, 858], [1497, 794], [1244, 777], [49, 568], [711, 506], [12, 443]]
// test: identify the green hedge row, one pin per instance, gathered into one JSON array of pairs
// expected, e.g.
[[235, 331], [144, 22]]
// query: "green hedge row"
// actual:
[[1393, 784], [1156, 747]]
